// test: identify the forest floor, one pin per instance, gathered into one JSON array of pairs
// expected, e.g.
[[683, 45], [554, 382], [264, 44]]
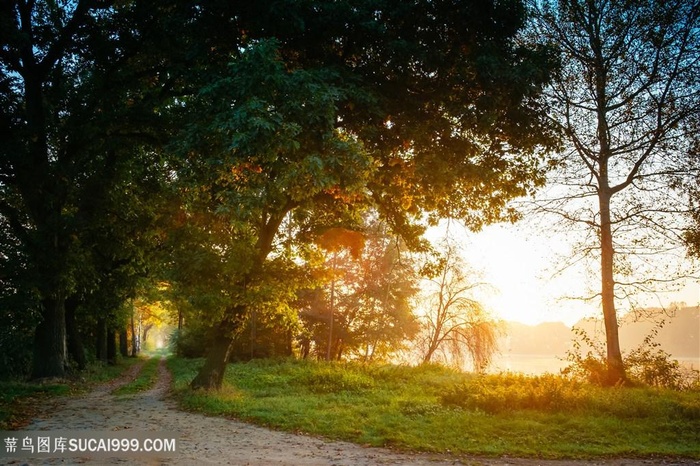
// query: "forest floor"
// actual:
[[212, 440]]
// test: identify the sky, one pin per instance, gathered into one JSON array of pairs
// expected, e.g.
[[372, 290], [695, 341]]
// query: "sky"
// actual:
[[518, 261]]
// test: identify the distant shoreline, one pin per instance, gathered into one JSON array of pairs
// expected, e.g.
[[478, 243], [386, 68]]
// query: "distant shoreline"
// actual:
[[538, 364]]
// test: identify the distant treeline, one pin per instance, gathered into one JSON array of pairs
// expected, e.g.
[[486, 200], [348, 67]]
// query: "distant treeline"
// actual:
[[680, 335]]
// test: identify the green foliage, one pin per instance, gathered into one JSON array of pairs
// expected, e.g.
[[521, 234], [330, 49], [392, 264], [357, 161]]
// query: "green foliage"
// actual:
[[16, 338], [437, 409], [651, 365], [189, 342], [118, 115], [592, 366], [647, 364]]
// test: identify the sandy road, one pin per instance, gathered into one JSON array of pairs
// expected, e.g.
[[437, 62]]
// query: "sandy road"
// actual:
[[211, 440]]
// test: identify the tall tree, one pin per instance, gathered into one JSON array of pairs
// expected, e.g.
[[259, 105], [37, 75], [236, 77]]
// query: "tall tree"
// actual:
[[84, 86], [625, 99], [37, 41], [419, 108], [368, 292], [264, 144]]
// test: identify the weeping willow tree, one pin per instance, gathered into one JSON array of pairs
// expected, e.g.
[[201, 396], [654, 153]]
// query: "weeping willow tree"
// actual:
[[455, 326]]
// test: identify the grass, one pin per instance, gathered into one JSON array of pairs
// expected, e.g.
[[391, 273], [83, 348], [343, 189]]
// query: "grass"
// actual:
[[435, 409], [20, 400], [147, 378]]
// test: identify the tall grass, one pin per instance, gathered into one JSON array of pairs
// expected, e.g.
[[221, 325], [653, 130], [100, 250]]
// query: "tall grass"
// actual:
[[431, 408]]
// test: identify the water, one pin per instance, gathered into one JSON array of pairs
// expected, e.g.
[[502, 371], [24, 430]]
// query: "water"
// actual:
[[532, 364], [537, 364]]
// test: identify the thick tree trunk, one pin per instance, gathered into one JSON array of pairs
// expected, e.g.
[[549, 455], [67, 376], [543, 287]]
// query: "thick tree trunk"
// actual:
[[76, 349], [50, 341], [112, 346], [211, 375], [101, 340], [123, 343], [616, 369]]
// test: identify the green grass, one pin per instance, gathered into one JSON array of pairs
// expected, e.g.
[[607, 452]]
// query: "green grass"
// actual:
[[435, 409], [19, 400], [146, 379]]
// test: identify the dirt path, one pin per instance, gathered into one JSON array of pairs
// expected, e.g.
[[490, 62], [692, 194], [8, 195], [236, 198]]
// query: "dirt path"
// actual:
[[211, 440]]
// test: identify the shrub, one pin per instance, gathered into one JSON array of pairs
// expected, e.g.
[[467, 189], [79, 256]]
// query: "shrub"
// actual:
[[190, 342], [647, 364]]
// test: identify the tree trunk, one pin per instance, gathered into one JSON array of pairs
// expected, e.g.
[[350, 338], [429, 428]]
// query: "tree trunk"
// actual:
[[305, 347], [253, 334], [135, 346], [330, 318], [341, 347], [211, 375], [429, 354], [112, 346], [101, 340], [146, 329], [290, 344], [123, 343], [50, 340], [76, 349], [616, 370], [435, 341]]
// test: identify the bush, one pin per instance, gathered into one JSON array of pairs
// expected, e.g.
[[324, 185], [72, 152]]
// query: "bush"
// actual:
[[647, 364], [16, 345], [190, 342]]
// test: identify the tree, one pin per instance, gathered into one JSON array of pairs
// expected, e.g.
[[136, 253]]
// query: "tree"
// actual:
[[453, 322], [37, 42], [368, 290], [417, 109], [625, 99], [87, 90], [334, 241], [265, 144]]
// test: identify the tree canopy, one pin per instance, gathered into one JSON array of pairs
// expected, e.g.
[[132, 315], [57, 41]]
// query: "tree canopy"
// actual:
[[212, 143]]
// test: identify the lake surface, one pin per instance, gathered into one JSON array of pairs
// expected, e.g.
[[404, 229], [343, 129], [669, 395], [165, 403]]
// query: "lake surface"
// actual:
[[536, 364]]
